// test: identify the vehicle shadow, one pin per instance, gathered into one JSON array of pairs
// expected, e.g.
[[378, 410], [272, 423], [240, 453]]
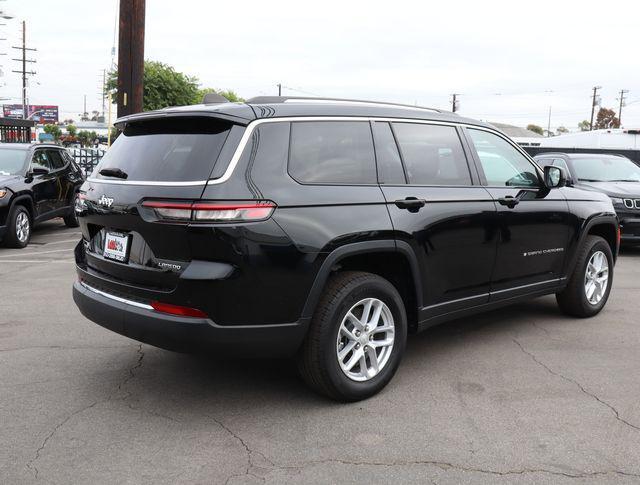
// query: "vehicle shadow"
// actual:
[[174, 384]]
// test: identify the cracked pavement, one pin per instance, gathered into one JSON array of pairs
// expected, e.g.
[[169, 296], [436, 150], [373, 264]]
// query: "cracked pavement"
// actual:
[[519, 395]]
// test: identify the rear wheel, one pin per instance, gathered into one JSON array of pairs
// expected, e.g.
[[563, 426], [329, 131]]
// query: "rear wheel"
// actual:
[[590, 284], [71, 220], [356, 338], [18, 228]]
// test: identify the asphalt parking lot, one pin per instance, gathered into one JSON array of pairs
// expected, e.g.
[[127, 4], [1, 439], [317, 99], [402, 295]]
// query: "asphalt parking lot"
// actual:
[[522, 395]]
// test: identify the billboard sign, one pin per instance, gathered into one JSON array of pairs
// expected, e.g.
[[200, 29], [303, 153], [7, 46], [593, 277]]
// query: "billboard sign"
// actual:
[[40, 113]]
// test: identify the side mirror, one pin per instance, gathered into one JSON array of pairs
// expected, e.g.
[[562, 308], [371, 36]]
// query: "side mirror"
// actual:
[[39, 171], [554, 177]]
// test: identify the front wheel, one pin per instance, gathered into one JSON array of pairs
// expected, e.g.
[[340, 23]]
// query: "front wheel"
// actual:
[[590, 284], [18, 228], [356, 338]]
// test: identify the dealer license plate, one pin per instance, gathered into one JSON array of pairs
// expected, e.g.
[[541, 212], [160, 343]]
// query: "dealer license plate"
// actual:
[[116, 246]]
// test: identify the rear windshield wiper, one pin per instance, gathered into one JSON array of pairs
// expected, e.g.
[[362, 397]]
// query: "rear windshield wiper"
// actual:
[[113, 172]]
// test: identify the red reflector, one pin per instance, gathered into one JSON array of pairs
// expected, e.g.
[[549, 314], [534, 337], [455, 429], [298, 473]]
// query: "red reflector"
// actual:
[[182, 311]]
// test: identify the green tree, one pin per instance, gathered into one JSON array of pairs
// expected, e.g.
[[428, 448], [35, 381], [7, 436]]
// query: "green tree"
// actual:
[[606, 119], [72, 130], [86, 138], [584, 125], [53, 130], [562, 130], [164, 86], [536, 129]]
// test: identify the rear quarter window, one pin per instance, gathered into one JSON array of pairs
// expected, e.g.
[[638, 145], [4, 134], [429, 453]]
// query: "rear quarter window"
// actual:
[[172, 149], [332, 152]]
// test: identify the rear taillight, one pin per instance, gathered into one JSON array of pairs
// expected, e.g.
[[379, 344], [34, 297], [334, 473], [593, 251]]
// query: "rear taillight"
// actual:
[[182, 311], [211, 211]]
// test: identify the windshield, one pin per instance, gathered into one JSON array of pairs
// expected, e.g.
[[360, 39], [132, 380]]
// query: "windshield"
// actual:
[[606, 169], [12, 161]]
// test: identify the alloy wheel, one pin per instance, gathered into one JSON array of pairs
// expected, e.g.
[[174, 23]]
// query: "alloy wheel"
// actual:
[[596, 279], [365, 339], [22, 227]]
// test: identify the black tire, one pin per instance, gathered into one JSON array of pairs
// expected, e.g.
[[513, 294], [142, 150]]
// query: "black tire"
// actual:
[[71, 220], [11, 239], [573, 299], [318, 363]]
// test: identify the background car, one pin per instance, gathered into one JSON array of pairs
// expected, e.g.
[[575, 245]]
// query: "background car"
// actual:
[[37, 182], [613, 175]]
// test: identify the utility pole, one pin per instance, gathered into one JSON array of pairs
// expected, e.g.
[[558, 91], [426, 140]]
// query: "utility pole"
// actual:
[[279, 89], [622, 93], [454, 102], [549, 123], [131, 56], [84, 113], [23, 71], [594, 103]]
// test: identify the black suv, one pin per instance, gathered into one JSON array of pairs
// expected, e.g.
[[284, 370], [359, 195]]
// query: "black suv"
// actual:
[[37, 182], [613, 175], [327, 230]]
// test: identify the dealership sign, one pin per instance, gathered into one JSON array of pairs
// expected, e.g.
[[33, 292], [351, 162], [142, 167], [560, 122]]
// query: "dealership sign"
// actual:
[[40, 113]]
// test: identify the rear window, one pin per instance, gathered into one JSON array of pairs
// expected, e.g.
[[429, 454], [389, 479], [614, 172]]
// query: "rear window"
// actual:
[[332, 152], [172, 150], [432, 154]]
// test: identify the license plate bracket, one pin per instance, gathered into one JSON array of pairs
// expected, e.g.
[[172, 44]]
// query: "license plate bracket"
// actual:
[[116, 246]]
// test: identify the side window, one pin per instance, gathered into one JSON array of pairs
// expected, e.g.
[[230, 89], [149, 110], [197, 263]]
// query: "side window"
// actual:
[[41, 160], [559, 162], [57, 162], [432, 154], [502, 164], [390, 169], [332, 152]]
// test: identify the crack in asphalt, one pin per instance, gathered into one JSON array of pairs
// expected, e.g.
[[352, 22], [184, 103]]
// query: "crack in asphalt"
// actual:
[[249, 454], [31, 464], [578, 385], [452, 466], [443, 465]]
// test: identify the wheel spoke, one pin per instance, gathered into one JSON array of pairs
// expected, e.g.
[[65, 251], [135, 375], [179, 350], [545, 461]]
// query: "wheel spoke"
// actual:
[[355, 320], [366, 311], [353, 360], [345, 351], [382, 343], [373, 358], [375, 318]]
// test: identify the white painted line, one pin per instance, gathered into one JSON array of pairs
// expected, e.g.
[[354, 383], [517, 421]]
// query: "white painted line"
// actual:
[[39, 261], [60, 242], [39, 252]]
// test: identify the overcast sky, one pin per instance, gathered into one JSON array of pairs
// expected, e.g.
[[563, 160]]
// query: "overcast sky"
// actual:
[[509, 60]]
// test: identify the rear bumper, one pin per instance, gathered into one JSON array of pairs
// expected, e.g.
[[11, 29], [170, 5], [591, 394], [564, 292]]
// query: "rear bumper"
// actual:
[[138, 321]]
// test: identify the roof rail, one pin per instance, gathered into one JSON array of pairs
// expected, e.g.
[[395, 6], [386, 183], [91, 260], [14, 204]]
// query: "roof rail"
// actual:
[[288, 99]]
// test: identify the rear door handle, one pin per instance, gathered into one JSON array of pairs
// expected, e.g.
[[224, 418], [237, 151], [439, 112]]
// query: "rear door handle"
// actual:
[[410, 203], [509, 200]]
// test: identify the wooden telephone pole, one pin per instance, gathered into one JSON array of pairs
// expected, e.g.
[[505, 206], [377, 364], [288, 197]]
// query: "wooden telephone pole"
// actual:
[[131, 56]]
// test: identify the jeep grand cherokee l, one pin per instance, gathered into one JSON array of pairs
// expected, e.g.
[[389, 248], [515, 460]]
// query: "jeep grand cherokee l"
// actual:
[[327, 230], [613, 175], [37, 182]]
